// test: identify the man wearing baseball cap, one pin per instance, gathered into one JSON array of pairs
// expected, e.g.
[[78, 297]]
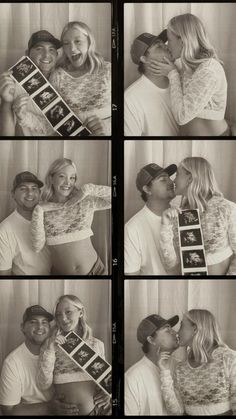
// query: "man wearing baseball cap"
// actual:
[[16, 253], [42, 49], [142, 380], [147, 109], [142, 231], [19, 392]]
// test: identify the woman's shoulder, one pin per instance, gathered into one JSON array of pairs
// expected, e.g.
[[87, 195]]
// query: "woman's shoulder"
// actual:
[[211, 65], [225, 352]]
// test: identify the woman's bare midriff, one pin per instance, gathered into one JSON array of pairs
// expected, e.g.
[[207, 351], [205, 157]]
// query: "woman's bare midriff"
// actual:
[[74, 258], [219, 268], [80, 393], [203, 127]]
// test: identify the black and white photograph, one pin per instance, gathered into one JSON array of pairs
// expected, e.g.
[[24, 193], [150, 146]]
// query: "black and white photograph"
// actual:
[[34, 83], [179, 69], [45, 97], [69, 126], [83, 355], [57, 112], [97, 367], [37, 377], [190, 237], [70, 43], [163, 178], [193, 258], [72, 340], [23, 69], [55, 210], [188, 218], [180, 347]]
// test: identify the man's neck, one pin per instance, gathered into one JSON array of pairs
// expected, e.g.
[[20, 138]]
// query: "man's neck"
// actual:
[[160, 81], [158, 207], [152, 356], [25, 214], [33, 348]]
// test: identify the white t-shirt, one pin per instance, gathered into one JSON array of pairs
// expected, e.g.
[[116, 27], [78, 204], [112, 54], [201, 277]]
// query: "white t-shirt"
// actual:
[[18, 379], [147, 110], [16, 251], [142, 247], [143, 390]]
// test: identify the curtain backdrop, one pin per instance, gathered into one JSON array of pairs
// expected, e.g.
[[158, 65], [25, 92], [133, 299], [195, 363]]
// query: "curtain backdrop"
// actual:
[[218, 18], [93, 162], [221, 155], [17, 295], [170, 297], [19, 20]]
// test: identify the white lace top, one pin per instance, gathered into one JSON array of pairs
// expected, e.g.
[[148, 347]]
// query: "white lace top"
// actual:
[[89, 94], [209, 389], [56, 367], [198, 94], [218, 224], [55, 223]]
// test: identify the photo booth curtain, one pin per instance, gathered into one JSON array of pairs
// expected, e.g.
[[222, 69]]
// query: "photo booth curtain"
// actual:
[[221, 155], [19, 20], [218, 19], [93, 162], [170, 297], [17, 295]]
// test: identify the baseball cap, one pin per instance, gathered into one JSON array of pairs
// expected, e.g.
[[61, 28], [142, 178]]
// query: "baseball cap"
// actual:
[[26, 177], [150, 172], [143, 42], [43, 36], [152, 323], [36, 310]]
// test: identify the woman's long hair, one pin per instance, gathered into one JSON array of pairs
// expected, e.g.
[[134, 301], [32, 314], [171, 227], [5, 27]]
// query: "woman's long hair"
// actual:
[[196, 45], [207, 336], [203, 185], [55, 167], [94, 60], [83, 325]]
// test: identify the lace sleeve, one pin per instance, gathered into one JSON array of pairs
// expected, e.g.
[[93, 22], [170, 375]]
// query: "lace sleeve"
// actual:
[[44, 377], [170, 394], [230, 368], [37, 123], [169, 245], [102, 195], [187, 103], [37, 229], [232, 239]]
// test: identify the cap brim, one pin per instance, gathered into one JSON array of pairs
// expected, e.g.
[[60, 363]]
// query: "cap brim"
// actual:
[[170, 169], [173, 320]]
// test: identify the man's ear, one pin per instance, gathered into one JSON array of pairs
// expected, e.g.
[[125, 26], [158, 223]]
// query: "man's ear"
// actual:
[[143, 59], [146, 190]]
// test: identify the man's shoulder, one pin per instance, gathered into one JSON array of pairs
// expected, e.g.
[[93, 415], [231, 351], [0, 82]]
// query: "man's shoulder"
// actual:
[[136, 369], [136, 218], [134, 87], [7, 222], [14, 355]]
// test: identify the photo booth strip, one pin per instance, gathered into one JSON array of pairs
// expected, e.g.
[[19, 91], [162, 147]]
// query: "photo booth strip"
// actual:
[[192, 252], [89, 361], [59, 115]]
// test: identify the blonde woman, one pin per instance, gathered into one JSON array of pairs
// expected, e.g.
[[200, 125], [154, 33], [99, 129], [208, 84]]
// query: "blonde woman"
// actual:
[[71, 383], [83, 78], [205, 383], [64, 218], [198, 85], [196, 183]]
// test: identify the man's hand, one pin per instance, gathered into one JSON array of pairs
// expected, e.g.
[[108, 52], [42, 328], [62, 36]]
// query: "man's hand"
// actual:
[[7, 87], [20, 105], [95, 125], [103, 402]]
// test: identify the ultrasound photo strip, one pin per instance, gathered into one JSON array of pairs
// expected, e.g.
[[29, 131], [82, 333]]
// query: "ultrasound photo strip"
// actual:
[[48, 101], [192, 252], [89, 361]]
